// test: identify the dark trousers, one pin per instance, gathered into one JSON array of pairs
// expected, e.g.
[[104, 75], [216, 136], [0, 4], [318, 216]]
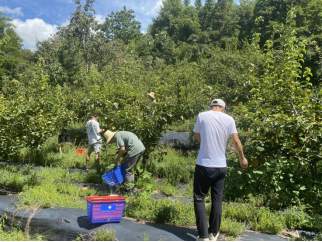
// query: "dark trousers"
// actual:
[[205, 178], [130, 164]]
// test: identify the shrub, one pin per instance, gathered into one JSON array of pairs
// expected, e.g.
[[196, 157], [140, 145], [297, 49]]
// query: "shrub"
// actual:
[[295, 217], [105, 235], [99, 235], [267, 221], [15, 177], [232, 227], [166, 189]]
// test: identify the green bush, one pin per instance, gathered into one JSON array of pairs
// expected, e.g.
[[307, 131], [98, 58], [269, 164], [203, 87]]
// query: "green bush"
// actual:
[[166, 188], [267, 221], [159, 211], [48, 155], [14, 178], [296, 218], [141, 207], [174, 212], [240, 211], [176, 168], [231, 227], [105, 235]]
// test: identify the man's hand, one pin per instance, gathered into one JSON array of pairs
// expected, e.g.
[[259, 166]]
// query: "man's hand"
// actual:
[[243, 163], [115, 161]]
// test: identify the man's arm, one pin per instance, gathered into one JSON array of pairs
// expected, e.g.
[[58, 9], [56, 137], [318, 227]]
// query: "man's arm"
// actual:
[[239, 150], [121, 152], [197, 137]]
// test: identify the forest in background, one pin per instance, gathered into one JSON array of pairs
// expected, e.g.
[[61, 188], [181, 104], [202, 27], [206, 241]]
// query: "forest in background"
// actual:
[[263, 57]]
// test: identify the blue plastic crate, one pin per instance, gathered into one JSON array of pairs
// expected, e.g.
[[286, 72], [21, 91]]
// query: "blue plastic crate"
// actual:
[[115, 176], [105, 209]]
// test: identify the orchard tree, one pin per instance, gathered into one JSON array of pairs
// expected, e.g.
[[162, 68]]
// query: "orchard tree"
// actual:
[[206, 15], [10, 50], [79, 34], [281, 125], [271, 13], [246, 21], [50, 51], [225, 24], [311, 29], [186, 3], [198, 4], [121, 25], [30, 112], [176, 20]]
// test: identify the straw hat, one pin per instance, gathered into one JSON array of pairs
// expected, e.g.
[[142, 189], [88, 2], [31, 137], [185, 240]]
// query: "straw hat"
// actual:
[[151, 94], [108, 135]]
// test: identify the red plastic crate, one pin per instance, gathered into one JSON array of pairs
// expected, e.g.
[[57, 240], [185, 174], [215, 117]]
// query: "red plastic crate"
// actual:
[[105, 209], [81, 151]]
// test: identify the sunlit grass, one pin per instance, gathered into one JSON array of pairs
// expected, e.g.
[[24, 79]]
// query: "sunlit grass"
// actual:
[[52, 194]]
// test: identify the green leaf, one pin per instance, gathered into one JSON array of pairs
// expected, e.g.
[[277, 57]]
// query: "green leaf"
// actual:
[[260, 148]]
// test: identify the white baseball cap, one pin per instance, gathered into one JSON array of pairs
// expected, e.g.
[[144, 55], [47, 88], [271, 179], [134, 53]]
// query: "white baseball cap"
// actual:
[[218, 102]]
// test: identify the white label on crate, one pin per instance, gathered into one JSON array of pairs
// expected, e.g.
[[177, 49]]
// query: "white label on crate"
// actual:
[[108, 207]]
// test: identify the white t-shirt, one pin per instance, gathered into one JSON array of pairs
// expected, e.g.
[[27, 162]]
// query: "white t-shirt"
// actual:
[[93, 132], [215, 129]]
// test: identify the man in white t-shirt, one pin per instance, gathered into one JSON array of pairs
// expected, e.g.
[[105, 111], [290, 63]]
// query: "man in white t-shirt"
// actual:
[[212, 130], [94, 139]]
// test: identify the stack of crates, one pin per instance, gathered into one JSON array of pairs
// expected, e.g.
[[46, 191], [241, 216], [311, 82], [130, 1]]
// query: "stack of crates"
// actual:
[[105, 209]]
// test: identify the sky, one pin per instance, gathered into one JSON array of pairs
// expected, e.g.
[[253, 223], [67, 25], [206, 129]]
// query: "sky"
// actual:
[[37, 20]]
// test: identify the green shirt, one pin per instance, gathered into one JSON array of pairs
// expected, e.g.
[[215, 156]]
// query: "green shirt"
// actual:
[[130, 141]]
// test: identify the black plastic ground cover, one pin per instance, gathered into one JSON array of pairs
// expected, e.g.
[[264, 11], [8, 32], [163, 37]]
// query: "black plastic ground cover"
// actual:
[[254, 236], [66, 224]]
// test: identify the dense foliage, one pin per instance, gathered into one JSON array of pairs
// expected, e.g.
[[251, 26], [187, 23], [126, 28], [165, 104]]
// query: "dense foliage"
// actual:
[[262, 57]]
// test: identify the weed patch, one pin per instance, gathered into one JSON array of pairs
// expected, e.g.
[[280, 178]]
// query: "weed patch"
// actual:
[[268, 221], [175, 167], [52, 194], [159, 211], [60, 174], [100, 235], [166, 188], [15, 177], [232, 227]]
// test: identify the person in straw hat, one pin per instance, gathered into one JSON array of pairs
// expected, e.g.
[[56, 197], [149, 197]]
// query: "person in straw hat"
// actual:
[[152, 97], [126, 142]]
